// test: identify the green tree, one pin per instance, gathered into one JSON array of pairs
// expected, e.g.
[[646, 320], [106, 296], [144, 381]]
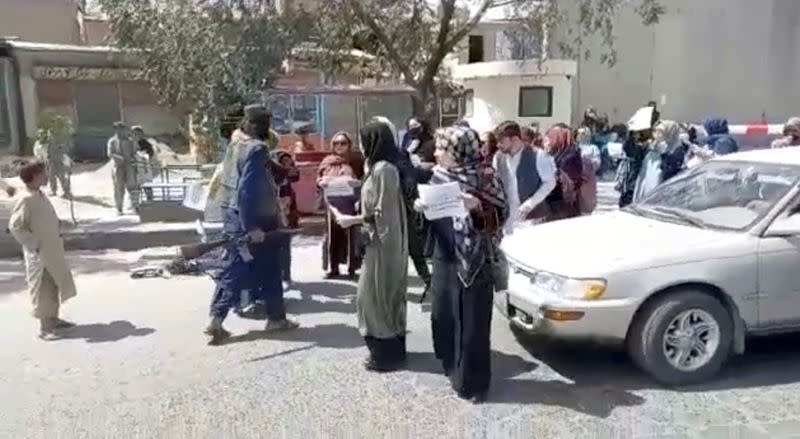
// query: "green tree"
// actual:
[[412, 38], [203, 56]]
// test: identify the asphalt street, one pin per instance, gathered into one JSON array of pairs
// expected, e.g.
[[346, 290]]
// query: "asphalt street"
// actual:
[[137, 366]]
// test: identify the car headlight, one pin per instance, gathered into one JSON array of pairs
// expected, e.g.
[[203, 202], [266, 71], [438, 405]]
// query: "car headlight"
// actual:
[[585, 289]]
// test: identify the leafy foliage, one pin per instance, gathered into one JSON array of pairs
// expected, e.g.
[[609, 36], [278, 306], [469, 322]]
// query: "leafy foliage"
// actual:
[[203, 55], [55, 127], [411, 38]]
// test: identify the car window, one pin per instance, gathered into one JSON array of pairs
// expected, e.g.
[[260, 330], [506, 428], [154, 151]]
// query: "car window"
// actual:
[[724, 195]]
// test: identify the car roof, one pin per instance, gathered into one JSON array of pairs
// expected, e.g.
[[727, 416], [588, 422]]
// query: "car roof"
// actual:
[[779, 156]]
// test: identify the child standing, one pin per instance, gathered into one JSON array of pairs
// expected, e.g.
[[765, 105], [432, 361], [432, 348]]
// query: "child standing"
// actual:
[[286, 174], [34, 224]]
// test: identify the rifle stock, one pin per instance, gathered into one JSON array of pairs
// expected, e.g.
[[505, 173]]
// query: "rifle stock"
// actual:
[[194, 251]]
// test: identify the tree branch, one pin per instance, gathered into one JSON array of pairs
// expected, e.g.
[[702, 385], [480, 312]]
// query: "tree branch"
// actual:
[[468, 26], [377, 30]]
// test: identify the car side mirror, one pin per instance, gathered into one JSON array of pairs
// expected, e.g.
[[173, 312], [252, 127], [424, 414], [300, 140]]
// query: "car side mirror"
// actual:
[[784, 226]]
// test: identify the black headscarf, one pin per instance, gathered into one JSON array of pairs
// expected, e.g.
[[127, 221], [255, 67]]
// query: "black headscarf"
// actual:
[[378, 144]]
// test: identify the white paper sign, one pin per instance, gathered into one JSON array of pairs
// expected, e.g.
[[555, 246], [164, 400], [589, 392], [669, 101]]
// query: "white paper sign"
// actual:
[[642, 119], [196, 197], [339, 187], [442, 201]]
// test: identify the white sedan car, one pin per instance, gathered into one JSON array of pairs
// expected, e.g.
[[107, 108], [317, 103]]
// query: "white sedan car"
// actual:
[[681, 278]]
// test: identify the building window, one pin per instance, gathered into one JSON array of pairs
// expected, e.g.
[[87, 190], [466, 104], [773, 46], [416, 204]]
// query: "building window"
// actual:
[[535, 101], [475, 48], [517, 45]]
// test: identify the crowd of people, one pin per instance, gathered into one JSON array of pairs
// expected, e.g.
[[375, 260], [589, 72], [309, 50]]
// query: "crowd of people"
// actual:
[[508, 177]]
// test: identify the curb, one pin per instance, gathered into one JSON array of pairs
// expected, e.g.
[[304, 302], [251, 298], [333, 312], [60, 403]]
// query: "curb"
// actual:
[[132, 240]]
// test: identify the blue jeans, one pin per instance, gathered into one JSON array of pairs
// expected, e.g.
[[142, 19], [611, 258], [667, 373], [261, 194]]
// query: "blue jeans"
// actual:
[[223, 300]]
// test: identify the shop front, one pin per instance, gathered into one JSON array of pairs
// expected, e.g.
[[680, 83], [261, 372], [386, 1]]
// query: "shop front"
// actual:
[[94, 87]]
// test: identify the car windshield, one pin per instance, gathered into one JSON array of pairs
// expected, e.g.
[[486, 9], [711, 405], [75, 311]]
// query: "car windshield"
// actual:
[[727, 195]]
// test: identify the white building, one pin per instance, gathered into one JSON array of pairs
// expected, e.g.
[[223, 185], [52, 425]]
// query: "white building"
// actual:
[[734, 58], [504, 79]]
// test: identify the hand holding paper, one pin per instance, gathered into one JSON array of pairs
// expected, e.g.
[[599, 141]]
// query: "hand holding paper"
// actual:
[[442, 201]]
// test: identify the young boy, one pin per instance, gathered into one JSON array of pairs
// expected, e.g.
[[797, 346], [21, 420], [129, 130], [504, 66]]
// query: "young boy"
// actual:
[[287, 175], [34, 224]]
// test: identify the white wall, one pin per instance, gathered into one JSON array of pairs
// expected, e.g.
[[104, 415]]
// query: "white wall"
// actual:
[[734, 58], [497, 99]]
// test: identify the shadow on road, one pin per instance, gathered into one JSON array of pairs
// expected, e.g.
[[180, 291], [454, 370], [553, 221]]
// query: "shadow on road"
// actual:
[[768, 361], [508, 389], [336, 336], [106, 332], [12, 271], [322, 297], [91, 199]]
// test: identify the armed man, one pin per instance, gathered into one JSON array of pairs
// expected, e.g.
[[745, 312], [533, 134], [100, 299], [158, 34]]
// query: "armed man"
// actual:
[[250, 207]]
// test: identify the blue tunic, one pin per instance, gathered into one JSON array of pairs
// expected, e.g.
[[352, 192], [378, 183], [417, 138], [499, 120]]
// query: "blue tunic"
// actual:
[[256, 209]]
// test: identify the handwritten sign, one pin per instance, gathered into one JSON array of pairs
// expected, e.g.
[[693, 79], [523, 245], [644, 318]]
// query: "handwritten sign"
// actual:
[[86, 73], [442, 201], [642, 119]]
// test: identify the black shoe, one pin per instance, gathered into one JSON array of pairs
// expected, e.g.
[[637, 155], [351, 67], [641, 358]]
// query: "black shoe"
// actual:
[[333, 275], [479, 398], [216, 336], [373, 365]]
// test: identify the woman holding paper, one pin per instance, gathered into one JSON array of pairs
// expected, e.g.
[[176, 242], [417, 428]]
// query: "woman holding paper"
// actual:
[[381, 300], [340, 245], [463, 258]]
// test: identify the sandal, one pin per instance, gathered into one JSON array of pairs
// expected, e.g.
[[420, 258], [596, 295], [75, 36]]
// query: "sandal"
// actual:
[[48, 336], [217, 336], [64, 324]]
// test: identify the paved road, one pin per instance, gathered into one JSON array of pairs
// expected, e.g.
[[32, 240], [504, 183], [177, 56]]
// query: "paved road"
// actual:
[[138, 367]]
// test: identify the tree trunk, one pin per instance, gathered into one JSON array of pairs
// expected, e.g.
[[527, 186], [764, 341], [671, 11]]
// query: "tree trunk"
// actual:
[[423, 104]]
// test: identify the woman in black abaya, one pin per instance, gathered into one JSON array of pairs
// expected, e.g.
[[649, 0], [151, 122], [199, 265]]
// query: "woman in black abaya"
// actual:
[[464, 250]]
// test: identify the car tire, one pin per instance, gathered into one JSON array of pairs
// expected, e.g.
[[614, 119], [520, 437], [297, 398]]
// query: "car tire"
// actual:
[[646, 337]]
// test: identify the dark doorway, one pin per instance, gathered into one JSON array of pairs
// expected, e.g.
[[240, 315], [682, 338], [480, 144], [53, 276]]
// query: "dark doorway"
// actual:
[[475, 48]]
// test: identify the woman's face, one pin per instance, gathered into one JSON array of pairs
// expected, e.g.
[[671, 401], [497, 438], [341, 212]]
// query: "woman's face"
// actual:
[[340, 145], [444, 158], [659, 135], [548, 145]]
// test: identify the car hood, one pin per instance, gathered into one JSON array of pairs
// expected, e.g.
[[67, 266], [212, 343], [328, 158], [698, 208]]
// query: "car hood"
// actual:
[[593, 246]]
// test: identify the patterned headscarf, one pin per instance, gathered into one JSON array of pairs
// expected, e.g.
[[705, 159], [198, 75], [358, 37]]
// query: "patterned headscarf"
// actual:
[[464, 145], [792, 127], [671, 130]]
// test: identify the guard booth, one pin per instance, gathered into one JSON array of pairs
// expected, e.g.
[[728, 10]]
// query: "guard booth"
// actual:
[[307, 118]]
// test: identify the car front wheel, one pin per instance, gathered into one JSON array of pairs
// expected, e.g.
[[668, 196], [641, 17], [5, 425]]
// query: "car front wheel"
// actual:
[[682, 338]]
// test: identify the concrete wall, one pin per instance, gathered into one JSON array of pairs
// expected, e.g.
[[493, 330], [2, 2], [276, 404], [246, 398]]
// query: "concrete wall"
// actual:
[[735, 58], [496, 89], [50, 21]]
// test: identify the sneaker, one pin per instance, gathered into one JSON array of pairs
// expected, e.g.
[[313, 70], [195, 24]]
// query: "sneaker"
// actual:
[[281, 325]]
